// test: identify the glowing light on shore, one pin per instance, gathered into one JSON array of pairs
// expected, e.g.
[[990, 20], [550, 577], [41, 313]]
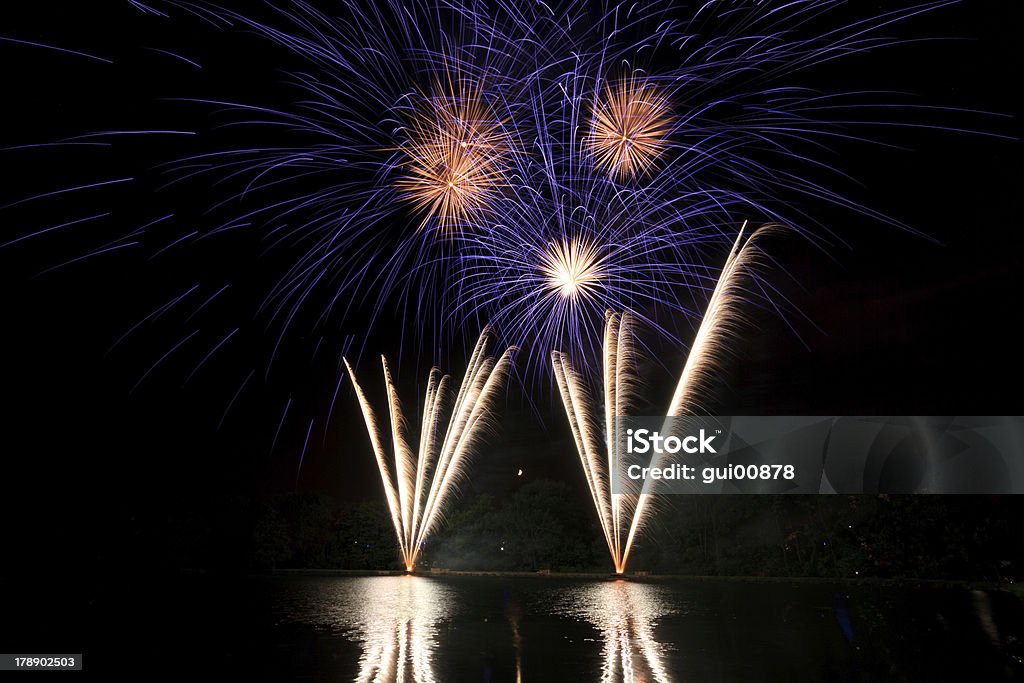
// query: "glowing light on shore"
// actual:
[[417, 485], [630, 127], [622, 515]]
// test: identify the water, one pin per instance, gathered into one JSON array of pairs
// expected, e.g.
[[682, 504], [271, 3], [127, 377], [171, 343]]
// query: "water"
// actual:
[[392, 628]]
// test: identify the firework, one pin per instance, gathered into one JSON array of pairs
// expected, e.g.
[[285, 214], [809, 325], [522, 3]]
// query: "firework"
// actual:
[[526, 165], [500, 122], [598, 442], [418, 484], [572, 269], [719, 325], [602, 461], [630, 127], [456, 156], [548, 267]]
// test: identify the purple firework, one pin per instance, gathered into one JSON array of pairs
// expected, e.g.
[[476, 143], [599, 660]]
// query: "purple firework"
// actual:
[[527, 165]]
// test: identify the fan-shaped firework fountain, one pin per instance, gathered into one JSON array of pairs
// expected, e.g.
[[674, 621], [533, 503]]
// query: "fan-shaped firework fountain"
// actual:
[[611, 508], [622, 515], [423, 482]]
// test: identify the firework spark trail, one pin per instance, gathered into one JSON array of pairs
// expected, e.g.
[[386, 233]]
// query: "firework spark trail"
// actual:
[[622, 514], [719, 325], [603, 473], [432, 466], [576, 402], [721, 320]]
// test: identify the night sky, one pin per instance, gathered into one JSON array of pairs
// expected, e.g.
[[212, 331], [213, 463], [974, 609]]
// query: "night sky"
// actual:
[[880, 321]]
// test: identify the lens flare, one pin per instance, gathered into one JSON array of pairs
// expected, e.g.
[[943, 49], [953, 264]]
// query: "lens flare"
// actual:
[[423, 482], [630, 125]]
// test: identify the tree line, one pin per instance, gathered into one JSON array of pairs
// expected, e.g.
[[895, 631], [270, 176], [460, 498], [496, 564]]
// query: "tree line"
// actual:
[[545, 525]]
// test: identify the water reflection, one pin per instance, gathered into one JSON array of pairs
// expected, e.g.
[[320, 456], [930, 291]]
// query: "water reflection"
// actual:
[[514, 616], [626, 613], [510, 629], [395, 620]]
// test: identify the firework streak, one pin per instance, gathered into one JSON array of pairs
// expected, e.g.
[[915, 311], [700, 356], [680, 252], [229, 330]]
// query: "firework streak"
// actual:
[[423, 481], [622, 515]]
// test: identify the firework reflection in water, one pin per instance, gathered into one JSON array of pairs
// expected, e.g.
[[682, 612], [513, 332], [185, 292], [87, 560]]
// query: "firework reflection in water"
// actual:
[[626, 613], [394, 619]]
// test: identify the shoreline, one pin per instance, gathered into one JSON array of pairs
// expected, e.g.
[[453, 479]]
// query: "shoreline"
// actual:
[[643, 577]]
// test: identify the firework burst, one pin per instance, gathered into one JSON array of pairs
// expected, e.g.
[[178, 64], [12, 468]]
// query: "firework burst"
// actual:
[[630, 126], [456, 157], [572, 269], [560, 252], [440, 167], [608, 158], [419, 483]]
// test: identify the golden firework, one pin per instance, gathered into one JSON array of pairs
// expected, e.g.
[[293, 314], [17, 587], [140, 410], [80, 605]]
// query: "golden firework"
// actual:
[[630, 126], [455, 155], [572, 269], [599, 443], [722, 317], [418, 482]]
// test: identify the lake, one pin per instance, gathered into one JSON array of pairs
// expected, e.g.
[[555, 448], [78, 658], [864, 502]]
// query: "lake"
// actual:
[[495, 628]]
